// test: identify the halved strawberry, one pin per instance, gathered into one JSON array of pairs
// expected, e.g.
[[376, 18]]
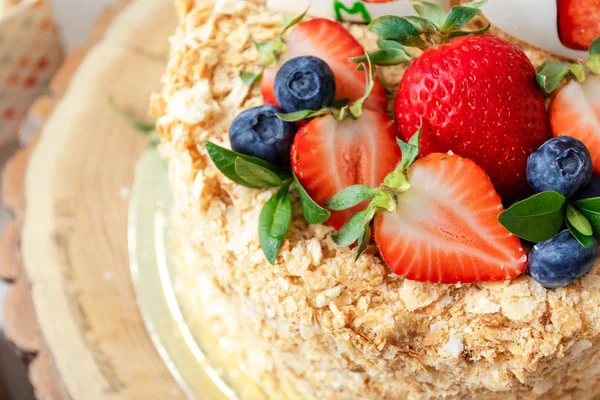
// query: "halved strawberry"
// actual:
[[331, 42], [267, 86], [578, 22], [575, 111], [445, 227], [329, 155]]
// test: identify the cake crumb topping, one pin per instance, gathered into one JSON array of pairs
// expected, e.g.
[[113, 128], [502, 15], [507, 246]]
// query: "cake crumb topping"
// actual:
[[315, 318]]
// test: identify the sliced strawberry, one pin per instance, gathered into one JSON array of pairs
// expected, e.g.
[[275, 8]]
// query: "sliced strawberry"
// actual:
[[446, 228], [575, 111], [578, 22], [329, 155], [331, 42], [267, 86]]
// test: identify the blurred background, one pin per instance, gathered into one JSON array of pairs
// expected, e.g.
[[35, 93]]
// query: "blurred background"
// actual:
[[74, 18]]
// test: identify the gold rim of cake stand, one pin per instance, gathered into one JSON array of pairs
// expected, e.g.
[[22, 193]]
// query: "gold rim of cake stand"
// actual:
[[196, 363]]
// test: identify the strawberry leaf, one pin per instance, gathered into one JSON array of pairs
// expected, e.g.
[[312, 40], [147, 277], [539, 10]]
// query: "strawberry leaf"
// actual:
[[551, 73], [537, 218], [274, 221], [432, 12], [409, 150], [423, 25], [459, 16], [225, 159], [363, 241], [389, 44], [584, 240], [398, 29], [386, 57], [578, 220], [268, 51], [255, 175], [313, 213], [355, 227], [302, 115], [590, 208], [289, 23], [594, 61], [356, 109], [479, 31], [351, 196], [250, 78]]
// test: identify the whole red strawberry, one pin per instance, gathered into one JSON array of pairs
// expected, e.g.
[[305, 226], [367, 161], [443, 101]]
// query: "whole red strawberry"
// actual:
[[477, 96]]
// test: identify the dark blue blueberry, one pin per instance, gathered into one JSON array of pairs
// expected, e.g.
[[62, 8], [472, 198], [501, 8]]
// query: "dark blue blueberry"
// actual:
[[561, 260], [304, 83], [592, 189], [260, 133], [562, 164]]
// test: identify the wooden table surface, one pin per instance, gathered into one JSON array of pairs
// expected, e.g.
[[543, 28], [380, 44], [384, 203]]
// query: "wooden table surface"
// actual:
[[72, 309]]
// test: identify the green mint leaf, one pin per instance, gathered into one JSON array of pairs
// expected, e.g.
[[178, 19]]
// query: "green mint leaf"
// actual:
[[274, 221], [224, 159], [584, 240], [255, 175], [385, 57], [129, 118], [551, 73], [351, 196], [288, 23], [356, 108], [355, 227], [283, 215], [479, 31], [594, 61], [313, 213], [590, 208], [398, 29], [432, 12], [363, 241], [409, 150], [250, 78], [459, 16], [578, 221], [302, 114], [537, 218]]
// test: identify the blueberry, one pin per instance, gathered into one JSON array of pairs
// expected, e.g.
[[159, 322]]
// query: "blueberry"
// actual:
[[562, 164], [260, 133], [561, 260], [304, 83], [592, 189]]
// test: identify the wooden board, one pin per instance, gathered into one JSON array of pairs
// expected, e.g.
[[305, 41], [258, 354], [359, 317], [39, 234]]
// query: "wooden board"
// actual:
[[75, 276]]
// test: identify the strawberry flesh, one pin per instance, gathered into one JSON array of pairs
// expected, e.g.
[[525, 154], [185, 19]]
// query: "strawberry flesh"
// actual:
[[329, 155], [477, 97], [332, 43], [446, 228], [267, 86], [575, 111]]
